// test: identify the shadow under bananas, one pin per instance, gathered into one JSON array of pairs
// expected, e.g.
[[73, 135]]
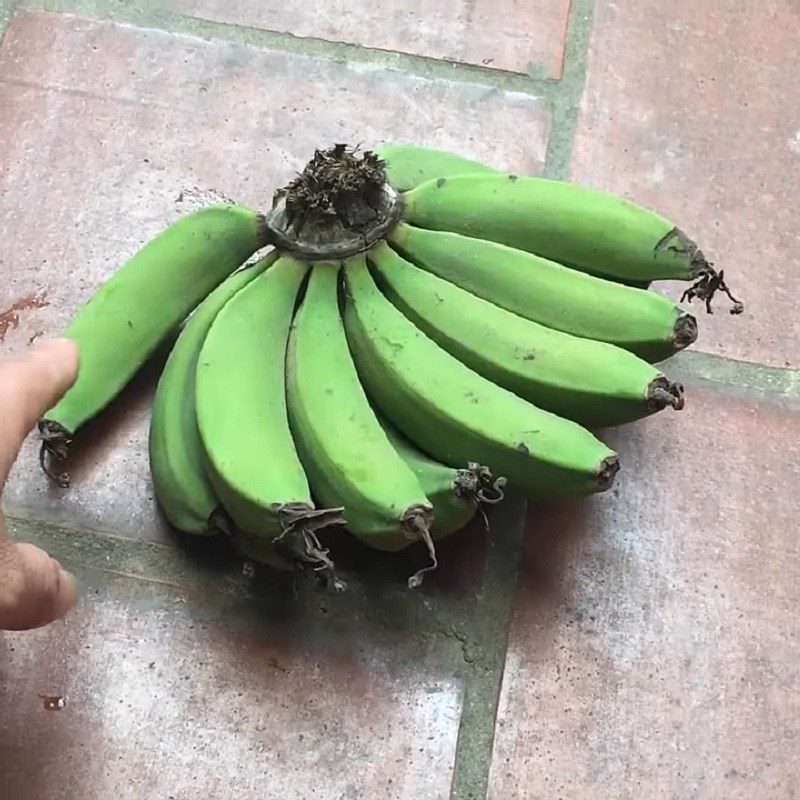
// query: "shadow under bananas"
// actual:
[[563, 540], [377, 595]]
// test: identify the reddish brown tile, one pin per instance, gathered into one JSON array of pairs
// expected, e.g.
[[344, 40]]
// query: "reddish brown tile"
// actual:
[[655, 646], [508, 35], [162, 696], [691, 108], [102, 127]]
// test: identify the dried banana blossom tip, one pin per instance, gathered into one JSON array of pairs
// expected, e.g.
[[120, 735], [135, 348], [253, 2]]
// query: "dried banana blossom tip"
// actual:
[[606, 472], [662, 392], [707, 280], [56, 440], [706, 287], [684, 332], [298, 543], [55, 436], [479, 483], [416, 523]]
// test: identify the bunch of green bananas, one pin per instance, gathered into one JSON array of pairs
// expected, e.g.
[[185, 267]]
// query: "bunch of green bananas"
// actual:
[[422, 329]]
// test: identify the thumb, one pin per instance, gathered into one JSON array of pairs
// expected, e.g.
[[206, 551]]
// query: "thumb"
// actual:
[[34, 588], [30, 385]]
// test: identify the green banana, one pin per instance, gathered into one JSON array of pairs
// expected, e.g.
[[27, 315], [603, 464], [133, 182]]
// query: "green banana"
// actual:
[[579, 227], [455, 494], [409, 165], [347, 456], [590, 382], [183, 491], [458, 416], [249, 453], [643, 322], [141, 305]]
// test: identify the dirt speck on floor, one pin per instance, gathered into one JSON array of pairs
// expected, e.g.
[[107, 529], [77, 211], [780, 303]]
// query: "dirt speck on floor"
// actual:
[[53, 702]]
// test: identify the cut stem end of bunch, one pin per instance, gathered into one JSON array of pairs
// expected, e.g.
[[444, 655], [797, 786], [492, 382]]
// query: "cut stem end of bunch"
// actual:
[[338, 206]]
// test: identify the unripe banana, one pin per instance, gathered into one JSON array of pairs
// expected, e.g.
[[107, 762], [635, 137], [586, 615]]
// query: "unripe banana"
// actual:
[[643, 322], [184, 493], [409, 165], [248, 449], [345, 451], [141, 305], [458, 416], [455, 494], [590, 382], [583, 228]]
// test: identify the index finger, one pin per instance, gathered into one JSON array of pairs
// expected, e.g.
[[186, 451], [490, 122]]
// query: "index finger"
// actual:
[[30, 385]]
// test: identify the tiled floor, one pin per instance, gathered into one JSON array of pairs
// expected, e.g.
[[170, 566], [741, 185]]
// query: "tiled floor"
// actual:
[[169, 696], [655, 641], [641, 644], [687, 108], [498, 34]]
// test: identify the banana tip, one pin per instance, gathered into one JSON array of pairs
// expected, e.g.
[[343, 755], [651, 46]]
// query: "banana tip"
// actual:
[[298, 543], [607, 471], [662, 392], [56, 440], [684, 332], [479, 483]]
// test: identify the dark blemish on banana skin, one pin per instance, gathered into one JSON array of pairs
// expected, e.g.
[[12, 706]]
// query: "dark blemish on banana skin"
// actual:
[[9, 319], [441, 182], [676, 241]]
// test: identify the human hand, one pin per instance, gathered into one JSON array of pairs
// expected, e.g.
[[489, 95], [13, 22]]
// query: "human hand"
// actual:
[[34, 588]]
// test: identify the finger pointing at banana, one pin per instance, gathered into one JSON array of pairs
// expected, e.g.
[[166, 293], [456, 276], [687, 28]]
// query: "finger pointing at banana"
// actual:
[[34, 588]]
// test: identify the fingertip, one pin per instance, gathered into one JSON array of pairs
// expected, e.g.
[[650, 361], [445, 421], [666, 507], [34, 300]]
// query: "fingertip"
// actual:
[[37, 590], [64, 353], [66, 594], [68, 344], [53, 370]]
